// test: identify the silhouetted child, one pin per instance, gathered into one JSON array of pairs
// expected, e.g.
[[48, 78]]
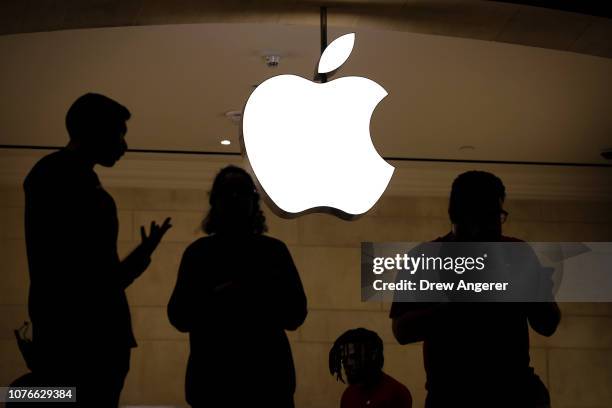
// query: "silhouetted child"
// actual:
[[360, 353]]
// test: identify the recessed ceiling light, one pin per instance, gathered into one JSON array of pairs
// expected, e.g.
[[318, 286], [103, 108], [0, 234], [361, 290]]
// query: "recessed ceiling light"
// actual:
[[226, 142]]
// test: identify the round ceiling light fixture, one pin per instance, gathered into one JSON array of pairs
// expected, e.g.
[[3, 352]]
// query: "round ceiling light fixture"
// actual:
[[465, 148]]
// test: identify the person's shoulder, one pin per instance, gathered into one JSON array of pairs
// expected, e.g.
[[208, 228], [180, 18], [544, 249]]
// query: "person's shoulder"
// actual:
[[267, 240], [349, 397], [505, 238], [450, 237], [46, 170], [201, 243], [446, 238], [397, 387], [393, 382]]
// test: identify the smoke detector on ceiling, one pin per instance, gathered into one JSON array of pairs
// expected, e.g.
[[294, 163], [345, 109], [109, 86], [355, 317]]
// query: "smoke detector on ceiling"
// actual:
[[272, 60]]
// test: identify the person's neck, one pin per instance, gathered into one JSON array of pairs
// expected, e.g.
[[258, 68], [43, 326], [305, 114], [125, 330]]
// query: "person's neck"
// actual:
[[80, 154], [372, 381], [235, 233], [482, 237]]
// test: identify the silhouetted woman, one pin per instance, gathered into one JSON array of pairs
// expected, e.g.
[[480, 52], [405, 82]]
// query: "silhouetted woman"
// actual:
[[237, 292]]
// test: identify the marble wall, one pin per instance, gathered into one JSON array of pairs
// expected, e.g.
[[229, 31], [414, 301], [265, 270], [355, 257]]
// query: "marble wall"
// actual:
[[575, 363]]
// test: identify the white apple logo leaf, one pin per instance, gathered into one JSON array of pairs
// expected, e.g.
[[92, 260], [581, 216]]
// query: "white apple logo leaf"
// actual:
[[336, 53]]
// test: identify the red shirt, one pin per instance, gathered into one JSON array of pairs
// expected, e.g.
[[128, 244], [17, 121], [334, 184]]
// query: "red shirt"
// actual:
[[387, 393]]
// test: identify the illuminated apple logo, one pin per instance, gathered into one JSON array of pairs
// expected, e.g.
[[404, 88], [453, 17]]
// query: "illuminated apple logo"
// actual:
[[309, 145]]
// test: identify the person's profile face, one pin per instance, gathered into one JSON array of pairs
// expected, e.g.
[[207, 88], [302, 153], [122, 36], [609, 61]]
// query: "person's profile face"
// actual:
[[110, 144]]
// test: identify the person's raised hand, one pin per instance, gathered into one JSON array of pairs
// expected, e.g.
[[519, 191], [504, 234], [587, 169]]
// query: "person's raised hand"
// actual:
[[156, 233]]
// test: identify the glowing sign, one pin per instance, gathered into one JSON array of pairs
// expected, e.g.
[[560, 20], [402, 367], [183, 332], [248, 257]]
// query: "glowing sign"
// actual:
[[309, 144]]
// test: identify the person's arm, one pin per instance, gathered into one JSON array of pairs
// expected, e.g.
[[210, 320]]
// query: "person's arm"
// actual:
[[345, 399], [181, 305], [412, 320], [292, 307], [133, 265], [139, 259], [407, 400], [404, 398], [412, 324], [543, 316]]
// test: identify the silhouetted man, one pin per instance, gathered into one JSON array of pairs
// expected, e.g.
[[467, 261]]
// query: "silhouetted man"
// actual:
[[477, 354], [82, 331], [360, 353]]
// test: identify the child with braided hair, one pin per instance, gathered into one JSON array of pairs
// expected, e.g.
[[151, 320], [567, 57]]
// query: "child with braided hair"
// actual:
[[360, 353]]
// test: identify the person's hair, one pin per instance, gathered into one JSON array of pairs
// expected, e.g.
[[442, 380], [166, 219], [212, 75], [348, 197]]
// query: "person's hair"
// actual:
[[368, 338], [91, 112], [212, 223], [474, 192]]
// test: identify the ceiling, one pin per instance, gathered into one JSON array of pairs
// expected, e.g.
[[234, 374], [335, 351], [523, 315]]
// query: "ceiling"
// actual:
[[510, 102], [570, 25]]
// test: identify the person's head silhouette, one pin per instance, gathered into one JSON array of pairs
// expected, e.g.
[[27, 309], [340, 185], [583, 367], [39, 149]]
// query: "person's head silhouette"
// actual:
[[234, 204], [360, 353], [476, 206], [97, 126]]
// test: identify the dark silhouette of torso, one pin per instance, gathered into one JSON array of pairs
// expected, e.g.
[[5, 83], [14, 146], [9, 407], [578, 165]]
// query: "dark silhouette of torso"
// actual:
[[477, 353], [77, 295], [236, 296], [81, 322]]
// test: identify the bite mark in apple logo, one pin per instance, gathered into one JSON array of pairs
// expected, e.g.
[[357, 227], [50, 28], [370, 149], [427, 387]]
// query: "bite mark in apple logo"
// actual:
[[308, 144]]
